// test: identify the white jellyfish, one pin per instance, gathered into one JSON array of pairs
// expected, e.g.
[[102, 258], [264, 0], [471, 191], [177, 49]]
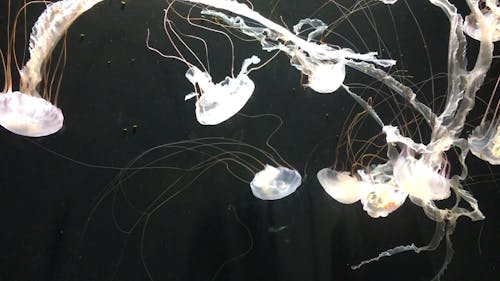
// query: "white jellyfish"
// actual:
[[420, 179], [215, 102], [218, 102], [341, 186], [27, 112], [274, 183]]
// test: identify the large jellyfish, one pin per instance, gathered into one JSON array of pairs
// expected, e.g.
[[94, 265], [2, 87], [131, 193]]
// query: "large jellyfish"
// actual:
[[28, 112], [215, 102]]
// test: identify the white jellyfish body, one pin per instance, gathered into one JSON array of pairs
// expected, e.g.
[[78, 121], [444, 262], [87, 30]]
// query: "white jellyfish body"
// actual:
[[341, 186], [420, 180], [26, 112], [484, 142], [381, 199], [327, 77], [273, 183], [28, 115], [219, 102]]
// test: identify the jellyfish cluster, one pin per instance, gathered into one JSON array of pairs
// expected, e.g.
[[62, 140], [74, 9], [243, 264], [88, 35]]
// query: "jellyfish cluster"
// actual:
[[412, 169]]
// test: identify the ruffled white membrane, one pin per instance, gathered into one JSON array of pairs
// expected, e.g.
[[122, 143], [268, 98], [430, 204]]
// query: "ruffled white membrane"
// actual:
[[28, 115], [275, 183], [219, 102]]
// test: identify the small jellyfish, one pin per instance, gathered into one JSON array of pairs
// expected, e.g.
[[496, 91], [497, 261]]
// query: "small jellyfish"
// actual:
[[27, 112], [273, 183], [341, 186], [484, 142], [381, 199], [215, 102]]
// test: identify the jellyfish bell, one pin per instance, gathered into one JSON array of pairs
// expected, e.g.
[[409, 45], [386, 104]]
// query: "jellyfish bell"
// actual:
[[341, 186], [491, 15], [27, 112], [420, 180], [28, 115], [218, 102], [381, 199], [327, 77], [273, 183]]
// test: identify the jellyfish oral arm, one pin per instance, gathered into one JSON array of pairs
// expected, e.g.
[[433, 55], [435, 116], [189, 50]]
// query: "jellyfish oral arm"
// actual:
[[46, 33], [218, 102]]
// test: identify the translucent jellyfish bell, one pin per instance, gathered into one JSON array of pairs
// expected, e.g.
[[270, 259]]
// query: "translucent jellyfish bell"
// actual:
[[29, 115], [381, 199], [26, 112], [341, 186], [420, 180], [273, 183], [219, 102], [326, 77], [491, 15]]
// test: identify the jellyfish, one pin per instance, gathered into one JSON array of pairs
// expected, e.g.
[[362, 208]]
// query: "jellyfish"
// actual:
[[273, 183], [323, 64], [28, 112], [484, 141], [215, 102], [218, 102]]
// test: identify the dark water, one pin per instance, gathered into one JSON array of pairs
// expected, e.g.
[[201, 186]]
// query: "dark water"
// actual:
[[62, 216]]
